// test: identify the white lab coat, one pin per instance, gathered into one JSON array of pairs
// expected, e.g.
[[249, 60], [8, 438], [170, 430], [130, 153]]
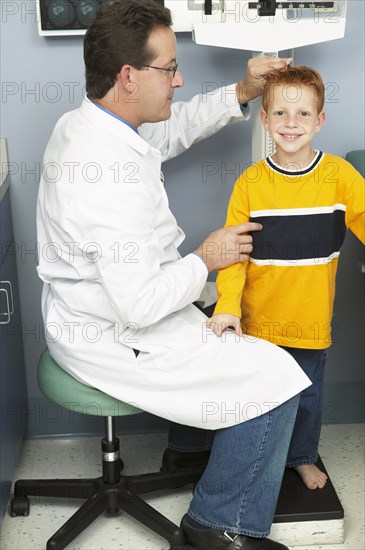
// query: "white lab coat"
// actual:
[[114, 279]]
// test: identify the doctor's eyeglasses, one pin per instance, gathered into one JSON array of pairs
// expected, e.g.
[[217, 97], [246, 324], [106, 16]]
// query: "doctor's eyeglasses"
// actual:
[[172, 70]]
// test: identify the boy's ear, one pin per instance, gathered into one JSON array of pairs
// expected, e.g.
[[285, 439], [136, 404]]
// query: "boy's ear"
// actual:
[[320, 121], [264, 118]]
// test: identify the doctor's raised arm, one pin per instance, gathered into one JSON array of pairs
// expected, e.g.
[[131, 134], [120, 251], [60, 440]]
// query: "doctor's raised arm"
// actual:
[[206, 114], [112, 265]]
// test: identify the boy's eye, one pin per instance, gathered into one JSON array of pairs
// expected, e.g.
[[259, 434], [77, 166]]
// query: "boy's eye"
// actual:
[[304, 113], [280, 113]]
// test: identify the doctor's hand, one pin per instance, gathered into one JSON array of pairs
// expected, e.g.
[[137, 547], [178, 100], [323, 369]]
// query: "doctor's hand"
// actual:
[[221, 321], [228, 245], [251, 86]]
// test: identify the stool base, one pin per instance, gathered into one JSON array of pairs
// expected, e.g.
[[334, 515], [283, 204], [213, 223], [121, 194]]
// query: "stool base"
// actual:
[[111, 493], [101, 497]]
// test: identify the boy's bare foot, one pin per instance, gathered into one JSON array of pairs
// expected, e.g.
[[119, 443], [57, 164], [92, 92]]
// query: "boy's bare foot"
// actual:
[[311, 476]]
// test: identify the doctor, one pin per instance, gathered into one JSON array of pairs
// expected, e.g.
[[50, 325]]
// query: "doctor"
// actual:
[[117, 297]]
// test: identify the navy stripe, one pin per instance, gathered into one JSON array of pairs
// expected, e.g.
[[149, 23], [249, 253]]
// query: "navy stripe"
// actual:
[[299, 237]]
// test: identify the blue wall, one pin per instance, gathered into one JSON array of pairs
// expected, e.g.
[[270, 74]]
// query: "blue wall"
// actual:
[[43, 77]]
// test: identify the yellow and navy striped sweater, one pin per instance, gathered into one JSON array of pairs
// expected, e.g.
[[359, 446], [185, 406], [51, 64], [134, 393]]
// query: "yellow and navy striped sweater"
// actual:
[[285, 293]]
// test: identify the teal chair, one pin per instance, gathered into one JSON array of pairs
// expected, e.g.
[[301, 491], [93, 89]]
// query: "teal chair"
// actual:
[[357, 159], [112, 491]]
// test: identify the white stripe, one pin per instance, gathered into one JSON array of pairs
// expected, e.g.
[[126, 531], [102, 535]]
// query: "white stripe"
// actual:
[[298, 211], [295, 263]]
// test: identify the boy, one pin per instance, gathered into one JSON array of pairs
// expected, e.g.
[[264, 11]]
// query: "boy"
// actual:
[[305, 200]]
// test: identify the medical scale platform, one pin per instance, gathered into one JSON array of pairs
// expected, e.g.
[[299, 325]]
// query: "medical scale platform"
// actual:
[[304, 517]]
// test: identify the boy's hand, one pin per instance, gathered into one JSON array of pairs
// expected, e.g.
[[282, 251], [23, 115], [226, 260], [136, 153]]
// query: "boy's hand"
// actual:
[[220, 322], [251, 86], [228, 245]]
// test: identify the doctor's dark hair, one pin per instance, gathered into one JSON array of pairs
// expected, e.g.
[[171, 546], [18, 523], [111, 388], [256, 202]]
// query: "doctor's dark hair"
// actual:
[[119, 35], [294, 76]]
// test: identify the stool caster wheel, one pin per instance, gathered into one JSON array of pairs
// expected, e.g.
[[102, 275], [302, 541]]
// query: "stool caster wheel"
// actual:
[[19, 506]]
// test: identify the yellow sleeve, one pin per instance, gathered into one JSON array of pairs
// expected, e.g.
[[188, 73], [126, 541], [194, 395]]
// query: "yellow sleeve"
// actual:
[[231, 280], [355, 206]]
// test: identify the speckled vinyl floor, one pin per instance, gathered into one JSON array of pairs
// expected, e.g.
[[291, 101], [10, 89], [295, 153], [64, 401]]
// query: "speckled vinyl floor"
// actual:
[[342, 451]]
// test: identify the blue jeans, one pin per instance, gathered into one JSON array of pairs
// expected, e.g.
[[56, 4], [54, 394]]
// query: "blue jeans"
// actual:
[[303, 447], [240, 486]]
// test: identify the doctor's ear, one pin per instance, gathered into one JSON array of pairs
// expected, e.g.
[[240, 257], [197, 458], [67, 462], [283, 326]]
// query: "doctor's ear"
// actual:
[[125, 78]]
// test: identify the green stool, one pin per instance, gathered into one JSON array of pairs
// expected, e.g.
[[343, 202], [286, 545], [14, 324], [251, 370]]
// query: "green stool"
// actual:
[[112, 491]]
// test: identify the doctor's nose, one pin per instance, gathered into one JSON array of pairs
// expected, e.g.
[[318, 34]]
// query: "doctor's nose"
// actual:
[[178, 80]]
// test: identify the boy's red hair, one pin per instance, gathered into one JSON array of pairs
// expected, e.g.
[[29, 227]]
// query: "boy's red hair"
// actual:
[[294, 76]]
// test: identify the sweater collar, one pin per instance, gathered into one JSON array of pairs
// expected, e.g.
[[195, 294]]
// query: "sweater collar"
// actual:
[[294, 173]]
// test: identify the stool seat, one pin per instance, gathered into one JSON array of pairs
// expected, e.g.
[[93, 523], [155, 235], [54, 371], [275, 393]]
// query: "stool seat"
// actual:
[[65, 390]]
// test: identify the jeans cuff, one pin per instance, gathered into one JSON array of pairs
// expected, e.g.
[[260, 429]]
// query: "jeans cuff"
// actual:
[[295, 463], [230, 529], [181, 449]]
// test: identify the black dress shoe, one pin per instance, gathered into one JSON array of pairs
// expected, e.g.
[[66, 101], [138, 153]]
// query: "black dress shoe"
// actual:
[[173, 461], [213, 539]]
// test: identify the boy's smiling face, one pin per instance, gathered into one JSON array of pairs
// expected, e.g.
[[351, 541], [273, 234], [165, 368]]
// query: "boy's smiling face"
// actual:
[[292, 121]]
